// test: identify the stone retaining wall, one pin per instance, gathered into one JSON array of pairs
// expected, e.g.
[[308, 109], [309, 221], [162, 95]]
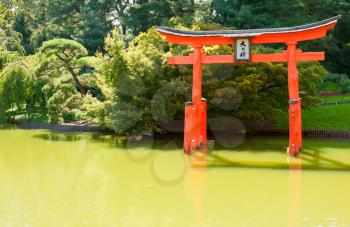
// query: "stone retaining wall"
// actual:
[[260, 132], [62, 128], [306, 133]]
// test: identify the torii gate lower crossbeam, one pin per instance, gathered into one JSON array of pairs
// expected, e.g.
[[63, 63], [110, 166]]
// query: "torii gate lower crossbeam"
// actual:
[[195, 130]]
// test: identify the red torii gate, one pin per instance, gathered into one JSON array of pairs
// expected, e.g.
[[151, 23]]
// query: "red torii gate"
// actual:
[[195, 133]]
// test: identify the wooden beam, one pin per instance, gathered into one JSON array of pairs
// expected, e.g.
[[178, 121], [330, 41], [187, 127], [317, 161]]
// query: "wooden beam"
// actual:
[[280, 57], [219, 59], [259, 36], [256, 58], [310, 56], [180, 60]]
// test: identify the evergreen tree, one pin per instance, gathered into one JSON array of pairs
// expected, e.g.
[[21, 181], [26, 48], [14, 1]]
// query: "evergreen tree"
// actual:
[[94, 26], [144, 14], [64, 54], [86, 21], [242, 14]]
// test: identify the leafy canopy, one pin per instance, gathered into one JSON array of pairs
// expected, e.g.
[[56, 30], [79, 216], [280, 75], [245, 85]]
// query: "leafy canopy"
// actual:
[[63, 54]]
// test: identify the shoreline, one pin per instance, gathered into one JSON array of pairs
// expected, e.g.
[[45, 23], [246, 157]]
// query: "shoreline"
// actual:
[[313, 133], [61, 127]]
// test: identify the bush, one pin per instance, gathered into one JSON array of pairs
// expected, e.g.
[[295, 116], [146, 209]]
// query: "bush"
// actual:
[[69, 116], [61, 102], [336, 82], [19, 91]]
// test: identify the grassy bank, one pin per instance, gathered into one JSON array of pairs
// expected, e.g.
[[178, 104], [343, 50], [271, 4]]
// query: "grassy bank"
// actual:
[[322, 117], [334, 99]]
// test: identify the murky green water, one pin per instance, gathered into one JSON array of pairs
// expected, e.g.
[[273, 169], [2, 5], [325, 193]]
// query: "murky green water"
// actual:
[[50, 179]]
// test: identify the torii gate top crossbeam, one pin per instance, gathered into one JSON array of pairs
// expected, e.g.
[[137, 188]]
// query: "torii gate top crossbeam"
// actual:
[[258, 36]]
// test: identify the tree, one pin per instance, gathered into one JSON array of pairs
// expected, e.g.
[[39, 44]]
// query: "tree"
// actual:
[[119, 11], [260, 14], [5, 5], [85, 21], [64, 54], [136, 73], [146, 13], [94, 25], [13, 90], [10, 46], [19, 25], [140, 15], [20, 90]]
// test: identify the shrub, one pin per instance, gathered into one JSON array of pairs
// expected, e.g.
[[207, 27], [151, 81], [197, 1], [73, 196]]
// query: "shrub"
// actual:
[[336, 82]]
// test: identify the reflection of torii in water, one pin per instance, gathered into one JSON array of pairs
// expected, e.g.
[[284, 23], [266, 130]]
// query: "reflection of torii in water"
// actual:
[[310, 162], [195, 135]]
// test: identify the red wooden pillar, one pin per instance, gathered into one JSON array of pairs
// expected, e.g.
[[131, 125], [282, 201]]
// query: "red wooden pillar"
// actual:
[[188, 127], [203, 138], [197, 93], [195, 113], [295, 127]]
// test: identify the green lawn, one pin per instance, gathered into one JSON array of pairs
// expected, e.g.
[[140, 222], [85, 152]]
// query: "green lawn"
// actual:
[[334, 99], [322, 117]]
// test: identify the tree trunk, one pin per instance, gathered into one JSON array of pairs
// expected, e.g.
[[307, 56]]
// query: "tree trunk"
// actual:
[[81, 89]]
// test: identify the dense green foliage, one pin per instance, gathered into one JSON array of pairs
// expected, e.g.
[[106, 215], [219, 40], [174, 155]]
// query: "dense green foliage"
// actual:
[[20, 91], [63, 54], [103, 62]]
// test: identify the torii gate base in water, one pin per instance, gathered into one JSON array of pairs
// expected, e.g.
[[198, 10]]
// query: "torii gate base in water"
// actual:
[[195, 130]]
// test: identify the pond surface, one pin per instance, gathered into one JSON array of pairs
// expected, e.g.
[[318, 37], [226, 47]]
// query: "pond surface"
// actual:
[[52, 179]]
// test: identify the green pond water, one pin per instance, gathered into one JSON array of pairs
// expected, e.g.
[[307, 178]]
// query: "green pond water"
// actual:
[[53, 179]]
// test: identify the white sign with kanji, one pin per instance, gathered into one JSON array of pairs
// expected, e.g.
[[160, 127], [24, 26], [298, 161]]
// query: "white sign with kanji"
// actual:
[[242, 49]]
